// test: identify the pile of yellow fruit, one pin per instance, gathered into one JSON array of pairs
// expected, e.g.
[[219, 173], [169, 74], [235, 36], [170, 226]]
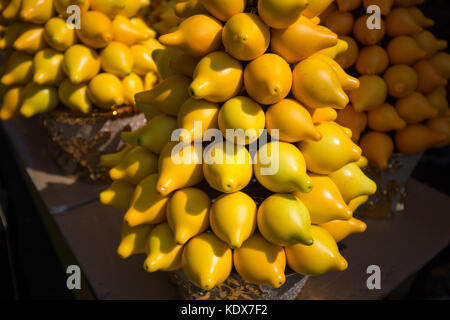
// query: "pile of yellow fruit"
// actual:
[[49, 61], [403, 72], [242, 65]]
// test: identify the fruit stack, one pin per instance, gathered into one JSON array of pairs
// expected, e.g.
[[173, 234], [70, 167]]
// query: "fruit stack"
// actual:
[[403, 73], [260, 68], [102, 64]]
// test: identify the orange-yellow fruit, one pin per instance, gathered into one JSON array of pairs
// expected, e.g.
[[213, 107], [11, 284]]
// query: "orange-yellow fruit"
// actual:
[[355, 121], [415, 108], [385, 118], [401, 80], [372, 60], [378, 148], [417, 138]]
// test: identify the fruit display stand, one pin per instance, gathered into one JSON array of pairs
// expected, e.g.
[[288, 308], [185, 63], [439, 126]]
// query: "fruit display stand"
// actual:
[[399, 246]]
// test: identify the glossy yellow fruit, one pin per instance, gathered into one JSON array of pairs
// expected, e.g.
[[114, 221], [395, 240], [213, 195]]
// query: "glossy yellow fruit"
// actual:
[[96, 30], [188, 213], [314, 38], [126, 32], [143, 61], [224, 9], [36, 11], [113, 159], [260, 262], [12, 9], [378, 148], [117, 59], [280, 167], [10, 33], [147, 205], [233, 218], [80, 63], [348, 58], [12, 100], [206, 261], [105, 91], [108, 7], [401, 80], [385, 118], [217, 78], [168, 96], [352, 182], [141, 24], [321, 257], [131, 85], [150, 81], [118, 195], [268, 79], [316, 7], [201, 111], [38, 99], [245, 114], [355, 203], [190, 40], [31, 41], [292, 120], [74, 96], [133, 240], [322, 114], [245, 36], [324, 202], [227, 167], [179, 167], [62, 5], [162, 251], [371, 94], [284, 220], [316, 84], [135, 166], [281, 14], [18, 70], [334, 141], [47, 65], [157, 133], [58, 34], [346, 81], [332, 52]]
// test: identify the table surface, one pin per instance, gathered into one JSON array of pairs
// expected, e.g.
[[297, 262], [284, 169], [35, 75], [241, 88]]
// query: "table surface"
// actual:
[[400, 246]]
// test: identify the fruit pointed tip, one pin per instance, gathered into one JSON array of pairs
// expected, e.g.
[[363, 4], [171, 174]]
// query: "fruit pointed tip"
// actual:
[[342, 264]]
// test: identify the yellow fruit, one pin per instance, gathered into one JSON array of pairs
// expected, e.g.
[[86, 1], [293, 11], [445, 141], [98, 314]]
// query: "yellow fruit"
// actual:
[[404, 50], [292, 120], [188, 213], [371, 94], [400, 22], [349, 57], [366, 36], [185, 9], [217, 78], [355, 121], [105, 91], [401, 80], [245, 36], [340, 229], [322, 114], [12, 100], [179, 167], [334, 142], [58, 34], [372, 60], [147, 206], [233, 218], [441, 60], [80, 63], [133, 240], [113, 159], [37, 11], [340, 23], [352, 182], [150, 81], [245, 114], [117, 59], [157, 133], [227, 167], [429, 43], [38, 99], [31, 41], [168, 96], [340, 48], [281, 14], [280, 167], [346, 81], [141, 24], [206, 261], [190, 40], [194, 110], [10, 33], [314, 38], [260, 262], [441, 125], [321, 257], [429, 77], [417, 138], [96, 30], [125, 31], [118, 195], [378, 148], [18, 69], [415, 108], [132, 7], [12, 9], [135, 166], [355, 203], [108, 7], [324, 202], [268, 79], [316, 7], [131, 85], [74, 96], [284, 220], [47, 66], [62, 5], [143, 62], [224, 9], [162, 251], [438, 99], [385, 118]]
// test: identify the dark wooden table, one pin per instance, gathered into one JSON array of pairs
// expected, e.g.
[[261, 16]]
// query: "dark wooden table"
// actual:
[[400, 247]]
